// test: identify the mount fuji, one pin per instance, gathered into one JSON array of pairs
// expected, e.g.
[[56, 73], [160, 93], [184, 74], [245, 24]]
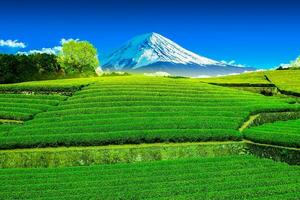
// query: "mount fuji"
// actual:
[[152, 52]]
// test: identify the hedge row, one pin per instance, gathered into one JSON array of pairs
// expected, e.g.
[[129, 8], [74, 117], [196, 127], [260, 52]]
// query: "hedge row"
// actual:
[[24, 107], [284, 133], [118, 110], [79, 137], [236, 177]]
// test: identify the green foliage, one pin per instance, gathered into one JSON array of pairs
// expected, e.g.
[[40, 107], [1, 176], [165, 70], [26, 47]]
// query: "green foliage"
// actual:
[[245, 79], [46, 63], [295, 64], [19, 68], [264, 118], [5, 128], [277, 153], [62, 86], [288, 81], [23, 107], [284, 133], [78, 57], [136, 109], [235, 177], [78, 156], [115, 74]]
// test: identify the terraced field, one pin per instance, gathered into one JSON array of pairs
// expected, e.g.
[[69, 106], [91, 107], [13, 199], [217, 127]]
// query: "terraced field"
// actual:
[[16, 108], [118, 110], [23, 107], [287, 81], [284, 133], [245, 79], [64, 86], [236, 177], [22, 101], [134, 110]]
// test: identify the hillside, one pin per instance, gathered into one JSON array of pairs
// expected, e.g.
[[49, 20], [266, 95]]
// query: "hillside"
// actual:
[[170, 137], [137, 109]]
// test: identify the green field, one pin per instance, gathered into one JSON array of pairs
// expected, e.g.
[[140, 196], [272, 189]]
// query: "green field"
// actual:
[[286, 80], [236, 177], [253, 78], [135, 109], [17, 108], [197, 131], [284, 133], [65, 86], [23, 107]]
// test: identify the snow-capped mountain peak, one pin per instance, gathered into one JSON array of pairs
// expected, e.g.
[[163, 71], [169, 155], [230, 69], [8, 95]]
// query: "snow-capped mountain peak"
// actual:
[[146, 49], [152, 52]]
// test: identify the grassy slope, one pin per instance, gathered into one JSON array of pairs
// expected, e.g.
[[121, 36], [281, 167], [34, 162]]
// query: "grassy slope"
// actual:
[[79, 156], [284, 133], [236, 177], [286, 80], [137, 109], [59, 85], [23, 107], [253, 78], [16, 108]]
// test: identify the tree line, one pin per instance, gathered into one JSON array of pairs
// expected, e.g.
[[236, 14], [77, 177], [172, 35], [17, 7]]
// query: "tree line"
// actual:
[[77, 58]]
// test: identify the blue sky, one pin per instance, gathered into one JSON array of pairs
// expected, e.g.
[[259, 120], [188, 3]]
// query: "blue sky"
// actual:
[[256, 33]]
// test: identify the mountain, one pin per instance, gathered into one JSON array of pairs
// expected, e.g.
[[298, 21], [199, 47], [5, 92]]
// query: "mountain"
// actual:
[[152, 52]]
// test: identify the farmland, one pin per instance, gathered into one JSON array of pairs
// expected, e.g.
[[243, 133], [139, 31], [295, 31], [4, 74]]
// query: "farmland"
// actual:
[[168, 137], [17, 108], [23, 107], [64, 86], [125, 110], [287, 80], [253, 78], [235, 177], [284, 133]]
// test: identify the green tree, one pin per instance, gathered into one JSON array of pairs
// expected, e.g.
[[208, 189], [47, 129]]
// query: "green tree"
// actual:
[[21, 67], [296, 64], [45, 63], [78, 57]]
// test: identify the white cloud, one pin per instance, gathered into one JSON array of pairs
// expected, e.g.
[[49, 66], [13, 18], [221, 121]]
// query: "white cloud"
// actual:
[[63, 40], [54, 50], [283, 65], [204, 76], [233, 63], [157, 74], [12, 44]]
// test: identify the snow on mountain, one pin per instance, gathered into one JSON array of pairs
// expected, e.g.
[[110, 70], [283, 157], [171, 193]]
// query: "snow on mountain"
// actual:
[[150, 48], [152, 52]]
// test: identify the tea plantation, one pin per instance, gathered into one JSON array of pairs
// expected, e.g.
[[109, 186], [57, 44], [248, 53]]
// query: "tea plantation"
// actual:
[[287, 80], [132, 110], [126, 110], [284, 133], [235, 177]]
